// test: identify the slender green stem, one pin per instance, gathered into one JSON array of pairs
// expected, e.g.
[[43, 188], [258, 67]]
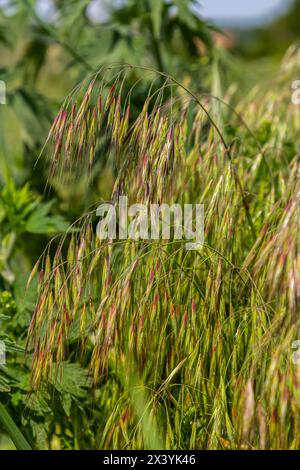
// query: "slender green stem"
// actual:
[[12, 430], [52, 33]]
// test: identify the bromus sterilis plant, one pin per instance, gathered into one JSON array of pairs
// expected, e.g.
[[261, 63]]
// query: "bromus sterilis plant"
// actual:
[[188, 350]]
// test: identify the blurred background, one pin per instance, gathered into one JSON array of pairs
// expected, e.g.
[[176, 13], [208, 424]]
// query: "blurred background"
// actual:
[[49, 46]]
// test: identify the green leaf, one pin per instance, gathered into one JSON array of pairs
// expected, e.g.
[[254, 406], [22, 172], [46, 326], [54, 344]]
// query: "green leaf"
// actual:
[[4, 384], [66, 401], [40, 431], [38, 402], [41, 222], [25, 298], [71, 379]]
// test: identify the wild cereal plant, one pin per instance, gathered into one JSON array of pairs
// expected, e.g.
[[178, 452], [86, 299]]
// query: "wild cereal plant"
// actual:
[[189, 349]]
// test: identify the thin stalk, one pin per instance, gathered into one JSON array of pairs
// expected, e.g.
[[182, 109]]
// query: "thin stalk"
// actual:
[[12, 430]]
